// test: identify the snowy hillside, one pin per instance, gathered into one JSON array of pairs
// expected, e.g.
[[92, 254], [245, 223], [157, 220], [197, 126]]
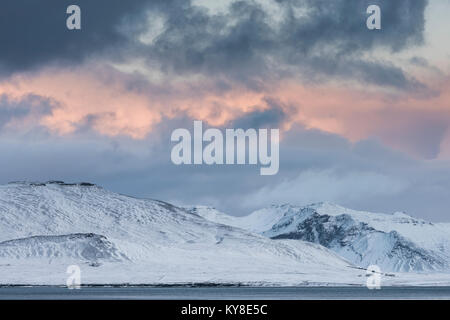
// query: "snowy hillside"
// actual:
[[90, 248], [395, 242], [120, 239]]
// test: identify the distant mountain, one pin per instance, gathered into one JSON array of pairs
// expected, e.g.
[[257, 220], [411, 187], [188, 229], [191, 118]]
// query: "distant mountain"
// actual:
[[395, 242], [116, 239]]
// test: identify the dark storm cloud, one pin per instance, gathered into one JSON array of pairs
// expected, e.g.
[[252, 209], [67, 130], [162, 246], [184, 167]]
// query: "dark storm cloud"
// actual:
[[34, 33], [243, 44], [329, 39], [342, 23], [374, 72]]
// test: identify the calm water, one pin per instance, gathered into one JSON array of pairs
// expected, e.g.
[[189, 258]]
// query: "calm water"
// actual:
[[244, 293]]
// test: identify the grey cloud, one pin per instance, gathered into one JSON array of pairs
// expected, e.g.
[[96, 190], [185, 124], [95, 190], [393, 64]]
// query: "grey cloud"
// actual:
[[422, 139], [342, 23], [329, 39], [416, 131], [312, 186], [33, 33], [272, 117], [241, 45], [30, 105], [419, 61], [364, 176]]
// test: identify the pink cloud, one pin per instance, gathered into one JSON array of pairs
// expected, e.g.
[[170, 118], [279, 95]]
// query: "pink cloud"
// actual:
[[105, 99]]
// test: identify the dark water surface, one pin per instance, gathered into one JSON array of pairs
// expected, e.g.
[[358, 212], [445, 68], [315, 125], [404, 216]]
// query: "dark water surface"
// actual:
[[219, 293]]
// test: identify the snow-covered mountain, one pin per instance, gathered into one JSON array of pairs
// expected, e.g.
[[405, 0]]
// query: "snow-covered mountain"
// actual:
[[116, 239], [395, 242], [44, 227]]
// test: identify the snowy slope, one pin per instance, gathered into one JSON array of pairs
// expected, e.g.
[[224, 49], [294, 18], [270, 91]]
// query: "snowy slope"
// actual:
[[259, 221], [46, 227], [90, 248], [395, 242]]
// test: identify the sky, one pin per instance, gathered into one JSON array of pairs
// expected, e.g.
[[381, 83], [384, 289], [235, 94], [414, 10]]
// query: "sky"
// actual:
[[364, 114]]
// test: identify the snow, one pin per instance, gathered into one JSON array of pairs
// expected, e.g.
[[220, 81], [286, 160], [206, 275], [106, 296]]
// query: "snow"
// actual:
[[87, 247], [116, 239], [395, 242], [45, 228]]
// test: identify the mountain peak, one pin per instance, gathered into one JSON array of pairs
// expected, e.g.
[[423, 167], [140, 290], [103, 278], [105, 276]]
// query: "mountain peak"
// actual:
[[395, 242], [322, 206], [326, 205]]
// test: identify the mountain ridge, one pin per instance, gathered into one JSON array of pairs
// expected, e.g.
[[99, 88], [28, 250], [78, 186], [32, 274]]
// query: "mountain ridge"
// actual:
[[396, 242]]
